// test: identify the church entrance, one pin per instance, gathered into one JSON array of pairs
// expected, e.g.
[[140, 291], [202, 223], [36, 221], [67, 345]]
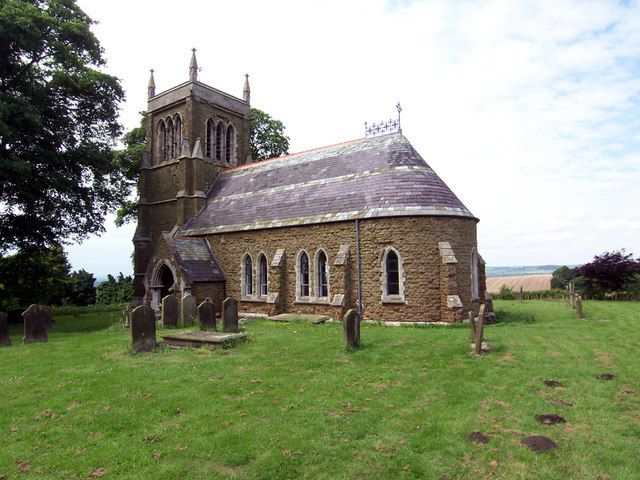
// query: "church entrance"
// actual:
[[166, 281]]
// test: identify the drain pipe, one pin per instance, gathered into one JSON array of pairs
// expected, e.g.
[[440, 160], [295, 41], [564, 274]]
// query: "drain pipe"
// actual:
[[359, 277]]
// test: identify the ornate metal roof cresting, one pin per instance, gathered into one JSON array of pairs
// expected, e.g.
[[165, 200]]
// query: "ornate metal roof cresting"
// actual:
[[383, 128]]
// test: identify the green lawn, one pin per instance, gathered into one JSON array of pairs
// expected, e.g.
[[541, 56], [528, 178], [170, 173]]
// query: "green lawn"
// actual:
[[291, 403]]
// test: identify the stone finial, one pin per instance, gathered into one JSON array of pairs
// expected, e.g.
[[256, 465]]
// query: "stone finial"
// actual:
[[246, 91], [151, 88], [193, 66]]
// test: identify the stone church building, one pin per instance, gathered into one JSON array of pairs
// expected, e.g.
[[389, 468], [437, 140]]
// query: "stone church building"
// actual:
[[310, 232]]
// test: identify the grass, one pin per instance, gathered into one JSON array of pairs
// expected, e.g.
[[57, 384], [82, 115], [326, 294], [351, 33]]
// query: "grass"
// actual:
[[291, 403]]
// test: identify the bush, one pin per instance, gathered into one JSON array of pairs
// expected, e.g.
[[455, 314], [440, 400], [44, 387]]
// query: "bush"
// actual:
[[505, 293]]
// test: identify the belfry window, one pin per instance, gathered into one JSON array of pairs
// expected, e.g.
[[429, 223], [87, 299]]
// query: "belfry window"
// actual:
[[322, 271], [393, 274], [170, 140], [160, 142], [209, 139], [219, 141], [178, 135], [303, 278], [262, 278], [248, 276], [228, 152]]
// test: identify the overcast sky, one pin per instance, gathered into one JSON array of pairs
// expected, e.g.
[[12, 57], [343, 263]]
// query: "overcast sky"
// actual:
[[529, 111]]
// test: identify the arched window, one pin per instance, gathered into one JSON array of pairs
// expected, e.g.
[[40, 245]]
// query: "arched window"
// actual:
[[178, 135], [303, 275], [392, 273], [322, 273], [475, 285], [170, 139], [262, 275], [247, 284], [219, 141], [228, 152], [160, 141], [209, 139]]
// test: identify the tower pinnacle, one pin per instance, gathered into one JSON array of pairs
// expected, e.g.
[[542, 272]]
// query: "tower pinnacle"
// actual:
[[193, 66], [151, 88], [246, 91]]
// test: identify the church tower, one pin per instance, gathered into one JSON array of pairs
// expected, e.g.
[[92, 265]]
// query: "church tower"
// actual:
[[194, 132]]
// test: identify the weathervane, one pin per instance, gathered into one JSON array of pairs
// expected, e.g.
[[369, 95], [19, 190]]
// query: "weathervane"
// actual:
[[383, 128]]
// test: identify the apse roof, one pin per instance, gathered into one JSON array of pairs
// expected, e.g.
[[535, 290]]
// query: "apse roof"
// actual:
[[365, 178], [195, 258]]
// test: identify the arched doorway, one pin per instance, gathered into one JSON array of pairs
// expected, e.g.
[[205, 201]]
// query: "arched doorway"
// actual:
[[165, 276]]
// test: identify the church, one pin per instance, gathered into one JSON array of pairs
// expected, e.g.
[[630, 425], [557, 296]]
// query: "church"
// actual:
[[364, 224]]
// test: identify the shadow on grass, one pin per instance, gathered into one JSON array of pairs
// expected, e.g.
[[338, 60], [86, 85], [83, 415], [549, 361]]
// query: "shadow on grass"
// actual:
[[507, 317]]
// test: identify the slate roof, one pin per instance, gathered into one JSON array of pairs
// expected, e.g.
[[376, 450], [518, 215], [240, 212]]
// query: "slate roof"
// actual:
[[366, 178], [195, 258]]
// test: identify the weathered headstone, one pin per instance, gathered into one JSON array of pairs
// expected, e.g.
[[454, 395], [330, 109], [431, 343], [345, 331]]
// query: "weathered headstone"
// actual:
[[230, 315], [351, 327], [207, 315], [472, 323], [35, 328], [579, 306], [143, 329], [479, 330], [170, 311], [48, 317], [5, 340], [188, 310]]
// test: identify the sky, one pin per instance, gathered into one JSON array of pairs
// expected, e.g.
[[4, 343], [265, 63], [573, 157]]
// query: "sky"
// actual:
[[528, 110]]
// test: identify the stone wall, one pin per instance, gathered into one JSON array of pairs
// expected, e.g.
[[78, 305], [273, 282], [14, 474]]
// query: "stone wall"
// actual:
[[415, 238]]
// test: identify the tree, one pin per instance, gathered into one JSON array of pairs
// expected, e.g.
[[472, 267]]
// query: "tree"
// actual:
[[128, 163], [82, 291], [562, 276], [609, 272], [267, 136], [58, 122], [114, 291], [34, 276]]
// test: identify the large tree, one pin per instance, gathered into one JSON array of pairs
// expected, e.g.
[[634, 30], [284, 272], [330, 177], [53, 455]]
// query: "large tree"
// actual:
[[58, 121], [267, 136], [609, 272]]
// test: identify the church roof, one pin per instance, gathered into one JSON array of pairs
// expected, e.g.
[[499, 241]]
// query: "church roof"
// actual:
[[365, 178], [195, 258]]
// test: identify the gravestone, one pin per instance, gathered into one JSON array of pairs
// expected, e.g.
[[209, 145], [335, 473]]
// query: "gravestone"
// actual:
[[472, 322], [5, 341], [35, 328], [351, 327], [230, 315], [143, 329], [479, 330], [48, 317], [207, 315], [170, 311], [188, 310]]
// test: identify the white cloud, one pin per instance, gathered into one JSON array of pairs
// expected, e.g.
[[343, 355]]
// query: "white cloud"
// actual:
[[528, 110]]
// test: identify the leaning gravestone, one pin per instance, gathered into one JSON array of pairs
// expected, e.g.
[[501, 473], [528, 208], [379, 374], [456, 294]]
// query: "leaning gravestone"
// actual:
[[351, 327], [5, 340], [479, 330], [207, 315], [170, 311], [230, 315], [188, 309], [143, 329], [35, 328]]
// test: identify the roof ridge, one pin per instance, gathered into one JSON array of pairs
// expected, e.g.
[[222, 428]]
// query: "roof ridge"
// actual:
[[316, 149]]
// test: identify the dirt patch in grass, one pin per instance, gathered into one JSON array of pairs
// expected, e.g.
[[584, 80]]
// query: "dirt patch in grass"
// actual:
[[606, 376], [477, 437], [552, 383], [539, 444], [550, 418]]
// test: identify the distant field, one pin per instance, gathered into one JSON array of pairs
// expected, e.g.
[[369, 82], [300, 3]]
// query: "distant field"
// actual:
[[493, 271], [529, 283]]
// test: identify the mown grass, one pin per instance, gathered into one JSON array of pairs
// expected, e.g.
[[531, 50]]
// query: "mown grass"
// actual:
[[291, 403]]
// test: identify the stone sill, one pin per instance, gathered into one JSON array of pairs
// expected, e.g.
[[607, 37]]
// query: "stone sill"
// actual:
[[254, 299], [395, 300], [313, 301]]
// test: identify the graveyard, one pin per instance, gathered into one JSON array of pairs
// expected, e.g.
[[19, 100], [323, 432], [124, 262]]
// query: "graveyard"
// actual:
[[292, 402]]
